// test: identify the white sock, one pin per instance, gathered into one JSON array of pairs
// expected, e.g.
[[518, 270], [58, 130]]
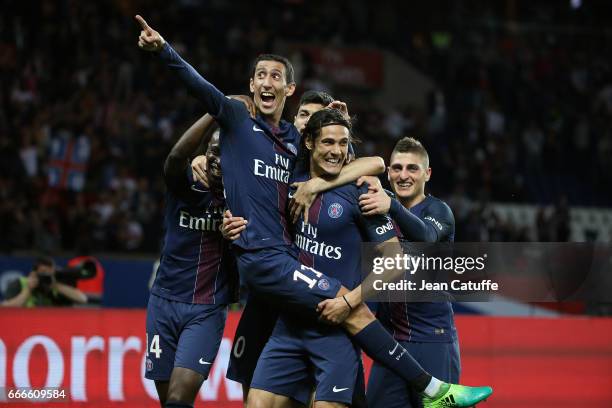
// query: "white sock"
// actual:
[[433, 387]]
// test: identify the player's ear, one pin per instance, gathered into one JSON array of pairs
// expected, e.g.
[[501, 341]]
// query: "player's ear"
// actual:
[[308, 142], [389, 174], [290, 89], [251, 87], [428, 174]]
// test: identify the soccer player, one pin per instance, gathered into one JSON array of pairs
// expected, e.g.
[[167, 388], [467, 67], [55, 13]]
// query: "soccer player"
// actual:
[[426, 329], [259, 317], [299, 350], [196, 279], [262, 152]]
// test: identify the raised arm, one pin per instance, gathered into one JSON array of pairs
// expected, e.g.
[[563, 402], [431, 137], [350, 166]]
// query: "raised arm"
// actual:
[[178, 158], [214, 101]]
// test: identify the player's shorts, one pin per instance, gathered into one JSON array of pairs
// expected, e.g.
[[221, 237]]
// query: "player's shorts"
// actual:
[[254, 329], [276, 275], [387, 390], [182, 335], [299, 358], [359, 395]]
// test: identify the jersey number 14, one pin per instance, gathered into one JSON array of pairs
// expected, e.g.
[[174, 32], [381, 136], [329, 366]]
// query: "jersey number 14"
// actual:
[[154, 347]]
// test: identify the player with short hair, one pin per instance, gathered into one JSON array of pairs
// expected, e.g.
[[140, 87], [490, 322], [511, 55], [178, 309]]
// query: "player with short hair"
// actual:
[[259, 316], [262, 152], [310, 103], [426, 329], [197, 277], [302, 353]]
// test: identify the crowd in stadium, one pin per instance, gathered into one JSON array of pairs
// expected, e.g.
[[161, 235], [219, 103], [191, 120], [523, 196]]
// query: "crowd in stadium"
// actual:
[[518, 116]]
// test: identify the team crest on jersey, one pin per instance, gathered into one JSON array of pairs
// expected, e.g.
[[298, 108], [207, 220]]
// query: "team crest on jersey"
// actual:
[[292, 148], [149, 364], [323, 284], [335, 210]]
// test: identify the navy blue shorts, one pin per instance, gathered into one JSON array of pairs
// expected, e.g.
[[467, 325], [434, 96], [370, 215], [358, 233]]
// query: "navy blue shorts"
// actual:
[[276, 275], [301, 357], [359, 395], [254, 329], [182, 335], [387, 390]]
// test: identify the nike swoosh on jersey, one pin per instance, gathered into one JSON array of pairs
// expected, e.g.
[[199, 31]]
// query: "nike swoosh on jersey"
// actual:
[[255, 128], [339, 389], [394, 348], [204, 362]]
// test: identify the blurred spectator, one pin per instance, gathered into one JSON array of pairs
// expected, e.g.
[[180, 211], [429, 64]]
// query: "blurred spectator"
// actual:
[[85, 124]]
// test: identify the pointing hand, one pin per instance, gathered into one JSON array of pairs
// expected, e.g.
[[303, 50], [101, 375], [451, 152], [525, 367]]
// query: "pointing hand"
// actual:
[[149, 40]]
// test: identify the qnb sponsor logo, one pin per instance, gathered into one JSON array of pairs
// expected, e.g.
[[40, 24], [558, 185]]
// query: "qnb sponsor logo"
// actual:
[[317, 248], [384, 228], [432, 219], [210, 221]]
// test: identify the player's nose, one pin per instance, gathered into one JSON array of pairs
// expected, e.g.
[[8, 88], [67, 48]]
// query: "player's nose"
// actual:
[[335, 150], [267, 82]]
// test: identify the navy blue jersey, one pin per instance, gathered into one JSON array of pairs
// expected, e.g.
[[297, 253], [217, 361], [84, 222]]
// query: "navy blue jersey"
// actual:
[[423, 321], [196, 264], [438, 216], [331, 241], [257, 160]]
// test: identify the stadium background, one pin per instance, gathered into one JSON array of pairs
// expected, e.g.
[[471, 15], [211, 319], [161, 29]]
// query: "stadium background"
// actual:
[[513, 100]]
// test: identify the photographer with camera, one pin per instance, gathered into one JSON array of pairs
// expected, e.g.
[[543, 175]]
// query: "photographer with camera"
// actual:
[[41, 288]]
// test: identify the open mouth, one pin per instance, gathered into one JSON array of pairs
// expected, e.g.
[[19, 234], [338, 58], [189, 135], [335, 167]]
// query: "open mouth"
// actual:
[[267, 99]]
